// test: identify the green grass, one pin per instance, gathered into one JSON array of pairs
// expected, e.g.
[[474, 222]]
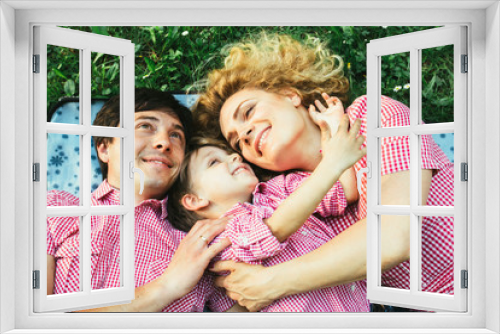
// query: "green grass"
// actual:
[[172, 58]]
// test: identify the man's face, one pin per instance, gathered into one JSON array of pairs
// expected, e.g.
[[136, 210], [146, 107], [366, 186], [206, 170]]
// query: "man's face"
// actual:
[[159, 151]]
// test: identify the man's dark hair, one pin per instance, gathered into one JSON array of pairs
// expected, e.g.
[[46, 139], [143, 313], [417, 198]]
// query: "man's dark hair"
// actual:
[[145, 99]]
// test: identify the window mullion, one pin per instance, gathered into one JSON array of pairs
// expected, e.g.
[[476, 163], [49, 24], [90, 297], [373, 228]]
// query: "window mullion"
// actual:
[[415, 173], [85, 226]]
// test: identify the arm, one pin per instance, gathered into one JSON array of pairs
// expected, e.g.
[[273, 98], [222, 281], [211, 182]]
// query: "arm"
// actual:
[[340, 152], [348, 181], [332, 114], [256, 286], [51, 273], [182, 274]]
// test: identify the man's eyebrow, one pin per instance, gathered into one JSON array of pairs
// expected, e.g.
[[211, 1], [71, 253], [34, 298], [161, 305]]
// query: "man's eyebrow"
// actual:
[[144, 117], [179, 127]]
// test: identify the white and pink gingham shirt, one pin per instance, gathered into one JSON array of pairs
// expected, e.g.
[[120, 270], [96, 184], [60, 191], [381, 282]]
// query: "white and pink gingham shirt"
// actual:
[[155, 243], [253, 242], [437, 232]]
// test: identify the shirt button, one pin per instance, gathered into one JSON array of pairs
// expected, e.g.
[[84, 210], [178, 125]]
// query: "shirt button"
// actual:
[[304, 233], [353, 287]]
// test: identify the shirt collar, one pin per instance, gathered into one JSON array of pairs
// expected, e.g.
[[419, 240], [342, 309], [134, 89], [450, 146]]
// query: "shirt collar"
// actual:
[[105, 189], [158, 205]]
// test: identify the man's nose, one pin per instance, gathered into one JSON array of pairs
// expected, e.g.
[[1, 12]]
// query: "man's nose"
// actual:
[[161, 141]]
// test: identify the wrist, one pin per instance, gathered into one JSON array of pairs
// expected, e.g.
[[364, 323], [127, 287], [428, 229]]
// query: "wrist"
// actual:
[[281, 282], [328, 170], [167, 289]]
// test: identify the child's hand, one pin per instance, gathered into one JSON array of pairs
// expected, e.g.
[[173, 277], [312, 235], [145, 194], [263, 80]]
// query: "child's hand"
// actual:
[[343, 149], [332, 114]]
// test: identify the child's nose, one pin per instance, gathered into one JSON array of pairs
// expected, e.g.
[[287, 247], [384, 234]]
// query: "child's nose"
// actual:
[[235, 157]]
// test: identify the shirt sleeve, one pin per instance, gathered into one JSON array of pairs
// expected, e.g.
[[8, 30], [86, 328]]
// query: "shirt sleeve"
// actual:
[[395, 151], [62, 230], [334, 203], [275, 191], [251, 238]]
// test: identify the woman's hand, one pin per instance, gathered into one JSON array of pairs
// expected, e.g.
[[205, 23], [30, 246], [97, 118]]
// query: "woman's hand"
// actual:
[[250, 285], [193, 256]]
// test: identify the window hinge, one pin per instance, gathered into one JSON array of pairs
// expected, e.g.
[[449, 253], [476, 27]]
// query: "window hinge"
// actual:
[[464, 171], [465, 64], [36, 279], [36, 63], [36, 172], [465, 279]]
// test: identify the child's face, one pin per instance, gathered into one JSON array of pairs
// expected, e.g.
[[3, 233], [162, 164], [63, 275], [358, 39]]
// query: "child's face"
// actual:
[[221, 178]]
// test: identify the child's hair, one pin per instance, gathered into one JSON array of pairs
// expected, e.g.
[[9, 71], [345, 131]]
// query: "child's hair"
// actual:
[[178, 216]]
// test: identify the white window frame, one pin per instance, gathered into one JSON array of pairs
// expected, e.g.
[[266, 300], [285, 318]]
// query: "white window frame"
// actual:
[[86, 43], [483, 19], [413, 44]]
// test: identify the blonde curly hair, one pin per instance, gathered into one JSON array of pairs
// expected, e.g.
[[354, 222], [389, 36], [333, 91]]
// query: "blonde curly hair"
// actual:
[[271, 62]]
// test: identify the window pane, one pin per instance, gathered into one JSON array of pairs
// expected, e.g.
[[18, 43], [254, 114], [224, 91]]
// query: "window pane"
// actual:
[[105, 248], [106, 193], [395, 84], [63, 75], [63, 244], [395, 157], [437, 254], [399, 276], [437, 84], [105, 78], [63, 165], [438, 155]]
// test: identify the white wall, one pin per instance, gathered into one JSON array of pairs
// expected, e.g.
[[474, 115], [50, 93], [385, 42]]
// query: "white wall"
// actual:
[[481, 158], [7, 159], [492, 165]]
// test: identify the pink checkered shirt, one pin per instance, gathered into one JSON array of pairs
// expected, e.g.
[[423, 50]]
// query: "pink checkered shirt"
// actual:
[[253, 242], [437, 232], [155, 243]]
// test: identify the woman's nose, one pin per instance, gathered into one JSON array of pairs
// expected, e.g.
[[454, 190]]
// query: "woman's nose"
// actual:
[[246, 134]]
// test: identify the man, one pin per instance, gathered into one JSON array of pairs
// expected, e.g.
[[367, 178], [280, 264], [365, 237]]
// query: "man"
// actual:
[[169, 264]]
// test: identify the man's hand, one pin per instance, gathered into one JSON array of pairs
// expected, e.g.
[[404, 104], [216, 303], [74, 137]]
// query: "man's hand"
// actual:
[[182, 274], [249, 285], [193, 256]]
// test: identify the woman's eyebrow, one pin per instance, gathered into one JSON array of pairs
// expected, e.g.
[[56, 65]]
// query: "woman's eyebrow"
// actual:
[[238, 109]]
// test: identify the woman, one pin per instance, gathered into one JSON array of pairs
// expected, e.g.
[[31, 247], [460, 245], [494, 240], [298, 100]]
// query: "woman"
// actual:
[[260, 97]]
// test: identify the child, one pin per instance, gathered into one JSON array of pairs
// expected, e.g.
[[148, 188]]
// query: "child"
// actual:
[[290, 214]]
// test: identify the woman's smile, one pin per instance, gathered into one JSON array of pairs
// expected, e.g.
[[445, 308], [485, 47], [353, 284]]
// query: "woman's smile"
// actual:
[[261, 140]]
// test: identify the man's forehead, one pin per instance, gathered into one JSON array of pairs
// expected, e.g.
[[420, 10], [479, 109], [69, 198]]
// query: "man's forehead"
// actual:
[[160, 114]]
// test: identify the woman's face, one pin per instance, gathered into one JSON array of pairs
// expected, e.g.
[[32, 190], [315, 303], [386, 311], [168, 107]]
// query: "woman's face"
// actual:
[[271, 130]]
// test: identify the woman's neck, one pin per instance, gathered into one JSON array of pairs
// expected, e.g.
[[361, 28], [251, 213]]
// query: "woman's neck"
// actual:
[[310, 155]]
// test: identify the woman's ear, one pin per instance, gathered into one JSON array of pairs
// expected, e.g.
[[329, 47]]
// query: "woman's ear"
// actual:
[[293, 96], [193, 203], [102, 152]]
